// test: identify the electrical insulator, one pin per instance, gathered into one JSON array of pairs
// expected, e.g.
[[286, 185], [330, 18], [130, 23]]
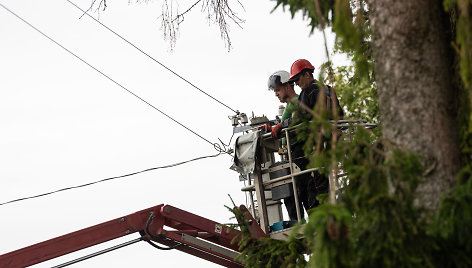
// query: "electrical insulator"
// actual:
[[281, 110], [234, 120], [243, 118]]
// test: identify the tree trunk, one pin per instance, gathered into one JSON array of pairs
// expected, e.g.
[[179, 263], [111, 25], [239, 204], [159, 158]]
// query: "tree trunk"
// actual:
[[418, 102]]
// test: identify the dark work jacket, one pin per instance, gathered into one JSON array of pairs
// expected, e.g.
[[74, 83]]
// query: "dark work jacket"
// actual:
[[309, 96]]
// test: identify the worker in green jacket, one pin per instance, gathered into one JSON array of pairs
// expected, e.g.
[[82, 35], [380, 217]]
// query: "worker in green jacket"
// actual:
[[284, 91], [290, 108]]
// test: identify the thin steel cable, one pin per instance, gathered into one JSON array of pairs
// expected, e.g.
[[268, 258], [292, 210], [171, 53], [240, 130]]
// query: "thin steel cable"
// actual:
[[122, 245], [108, 179], [108, 77], [151, 57]]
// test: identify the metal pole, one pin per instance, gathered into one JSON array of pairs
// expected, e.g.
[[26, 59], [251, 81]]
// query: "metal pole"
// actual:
[[251, 198], [98, 253], [260, 194], [294, 183]]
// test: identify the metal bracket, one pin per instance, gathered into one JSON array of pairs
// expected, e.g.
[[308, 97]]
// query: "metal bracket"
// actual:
[[209, 246]]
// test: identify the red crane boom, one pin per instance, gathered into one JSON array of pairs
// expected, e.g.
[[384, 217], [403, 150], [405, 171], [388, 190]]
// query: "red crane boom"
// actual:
[[190, 233]]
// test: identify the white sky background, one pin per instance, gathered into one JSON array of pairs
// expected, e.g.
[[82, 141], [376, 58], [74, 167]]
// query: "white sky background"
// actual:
[[63, 124]]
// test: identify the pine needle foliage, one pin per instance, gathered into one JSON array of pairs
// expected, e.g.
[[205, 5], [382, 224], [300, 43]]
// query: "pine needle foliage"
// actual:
[[358, 96], [267, 252], [328, 236], [452, 224], [348, 19]]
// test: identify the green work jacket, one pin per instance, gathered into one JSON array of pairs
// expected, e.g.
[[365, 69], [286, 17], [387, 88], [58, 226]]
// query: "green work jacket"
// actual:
[[290, 108]]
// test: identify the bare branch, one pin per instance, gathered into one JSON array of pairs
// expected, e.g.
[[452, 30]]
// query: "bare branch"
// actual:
[[169, 25], [186, 11], [217, 11], [102, 3]]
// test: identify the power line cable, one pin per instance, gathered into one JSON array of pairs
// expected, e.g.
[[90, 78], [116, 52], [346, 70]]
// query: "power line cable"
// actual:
[[151, 57], [215, 145], [111, 178]]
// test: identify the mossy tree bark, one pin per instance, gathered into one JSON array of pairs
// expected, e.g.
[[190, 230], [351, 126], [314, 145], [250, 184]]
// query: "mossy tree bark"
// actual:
[[417, 99]]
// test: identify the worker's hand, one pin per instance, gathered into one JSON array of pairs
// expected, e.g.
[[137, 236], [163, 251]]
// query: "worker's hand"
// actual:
[[266, 127], [275, 130]]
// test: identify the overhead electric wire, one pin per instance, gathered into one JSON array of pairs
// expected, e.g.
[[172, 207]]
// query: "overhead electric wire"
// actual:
[[108, 179], [151, 57], [215, 145], [220, 148]]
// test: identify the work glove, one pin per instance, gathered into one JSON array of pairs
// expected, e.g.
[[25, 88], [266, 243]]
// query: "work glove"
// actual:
[[266, 127], [275, 130]]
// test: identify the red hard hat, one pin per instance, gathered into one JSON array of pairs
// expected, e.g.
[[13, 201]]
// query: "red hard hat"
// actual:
[[298, 66]]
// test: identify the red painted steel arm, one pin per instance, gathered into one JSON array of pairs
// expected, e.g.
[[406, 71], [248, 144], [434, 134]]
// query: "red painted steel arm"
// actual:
[[196, 249], [77, 240], [221, 233], [191, 235], [254, 228]]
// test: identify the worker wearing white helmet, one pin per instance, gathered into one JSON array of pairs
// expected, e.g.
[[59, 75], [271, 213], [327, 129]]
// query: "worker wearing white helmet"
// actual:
[[284, 91], [278, 82]]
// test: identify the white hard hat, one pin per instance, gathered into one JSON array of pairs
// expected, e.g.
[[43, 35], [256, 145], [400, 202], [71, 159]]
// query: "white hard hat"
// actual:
[[278, 78]]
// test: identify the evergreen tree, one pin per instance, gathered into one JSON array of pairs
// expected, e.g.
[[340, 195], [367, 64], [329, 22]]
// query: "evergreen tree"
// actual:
[[407, 198]]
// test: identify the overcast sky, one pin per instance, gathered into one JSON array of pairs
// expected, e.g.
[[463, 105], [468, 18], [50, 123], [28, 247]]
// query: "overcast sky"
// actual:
[[63, 124]]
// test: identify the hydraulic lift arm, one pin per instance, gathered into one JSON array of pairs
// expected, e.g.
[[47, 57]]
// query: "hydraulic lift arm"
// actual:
[[190, 233]]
